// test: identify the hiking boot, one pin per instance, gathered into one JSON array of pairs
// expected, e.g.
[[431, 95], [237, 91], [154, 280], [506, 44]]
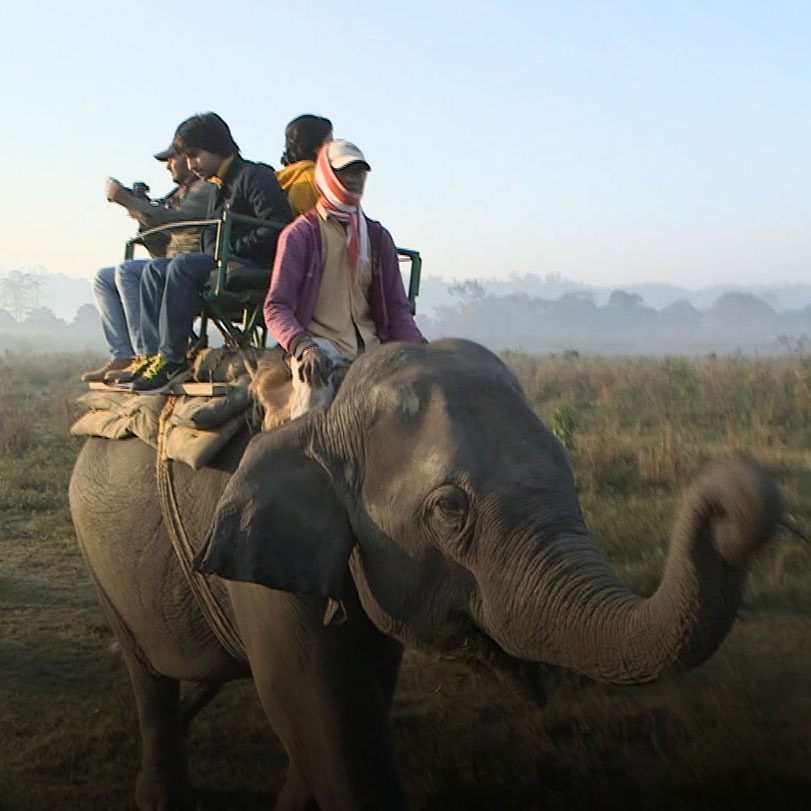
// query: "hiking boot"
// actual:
[[161, 375], [112, 365], [126, 374], [138, 368]]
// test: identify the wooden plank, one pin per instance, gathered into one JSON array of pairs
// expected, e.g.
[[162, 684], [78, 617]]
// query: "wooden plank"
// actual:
[[192, 388], [197, 389], [100, 385]]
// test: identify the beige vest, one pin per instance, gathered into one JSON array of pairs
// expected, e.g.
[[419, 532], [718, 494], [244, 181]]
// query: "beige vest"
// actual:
[[342, 313]]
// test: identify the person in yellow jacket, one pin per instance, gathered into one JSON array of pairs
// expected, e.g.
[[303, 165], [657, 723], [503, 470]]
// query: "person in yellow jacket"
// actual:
[[303, 137]]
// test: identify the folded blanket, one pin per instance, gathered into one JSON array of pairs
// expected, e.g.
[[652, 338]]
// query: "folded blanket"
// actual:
[[197, 427]]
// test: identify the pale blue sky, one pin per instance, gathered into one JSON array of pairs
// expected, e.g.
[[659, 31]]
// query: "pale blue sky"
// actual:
[[611, 142]]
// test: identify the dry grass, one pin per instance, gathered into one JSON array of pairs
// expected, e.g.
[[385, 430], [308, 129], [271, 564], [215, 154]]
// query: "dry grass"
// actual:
[[735, 732]]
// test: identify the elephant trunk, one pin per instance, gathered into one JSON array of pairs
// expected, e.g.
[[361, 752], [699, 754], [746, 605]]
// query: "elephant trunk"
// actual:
[[566, 607]]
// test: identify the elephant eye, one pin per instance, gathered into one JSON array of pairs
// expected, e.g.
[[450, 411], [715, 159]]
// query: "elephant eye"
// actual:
[[449, 508]]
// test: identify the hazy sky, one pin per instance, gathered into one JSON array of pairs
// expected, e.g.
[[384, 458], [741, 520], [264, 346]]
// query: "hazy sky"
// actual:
[[610, 142]]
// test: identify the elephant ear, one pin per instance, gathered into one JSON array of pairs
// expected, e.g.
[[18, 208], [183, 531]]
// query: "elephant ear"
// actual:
[[279, 522]]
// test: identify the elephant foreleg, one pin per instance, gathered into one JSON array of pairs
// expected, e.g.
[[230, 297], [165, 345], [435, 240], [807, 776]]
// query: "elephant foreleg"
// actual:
[[296, 794], [327, 692]]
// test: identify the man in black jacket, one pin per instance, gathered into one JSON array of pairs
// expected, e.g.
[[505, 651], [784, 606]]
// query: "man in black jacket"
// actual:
[[170, 291]]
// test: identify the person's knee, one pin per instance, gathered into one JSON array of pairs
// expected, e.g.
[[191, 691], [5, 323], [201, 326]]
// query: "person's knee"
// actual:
[[153, 273], [104, 279], [129, 271], [192, 267]]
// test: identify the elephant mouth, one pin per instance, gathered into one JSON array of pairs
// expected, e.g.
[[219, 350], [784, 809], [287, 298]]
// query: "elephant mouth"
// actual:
[[459, 640]]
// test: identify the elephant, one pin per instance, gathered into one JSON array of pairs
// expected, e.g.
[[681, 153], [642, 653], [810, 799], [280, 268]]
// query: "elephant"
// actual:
[[428, 505]]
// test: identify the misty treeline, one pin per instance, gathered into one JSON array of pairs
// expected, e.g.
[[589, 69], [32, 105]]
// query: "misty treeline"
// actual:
[[27, 325], [41, 331], [736, 322]]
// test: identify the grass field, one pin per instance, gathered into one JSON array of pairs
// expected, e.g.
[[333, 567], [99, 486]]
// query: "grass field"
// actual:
[[735, 732]]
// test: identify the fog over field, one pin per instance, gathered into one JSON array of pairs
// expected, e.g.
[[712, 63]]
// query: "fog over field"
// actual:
[[528, 313]]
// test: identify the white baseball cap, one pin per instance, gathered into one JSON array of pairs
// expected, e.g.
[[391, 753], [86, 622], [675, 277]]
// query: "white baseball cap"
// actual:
[[341, 153]]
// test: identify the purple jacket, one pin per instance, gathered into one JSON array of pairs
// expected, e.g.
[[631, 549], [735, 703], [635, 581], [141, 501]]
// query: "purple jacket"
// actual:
[[296, 281]]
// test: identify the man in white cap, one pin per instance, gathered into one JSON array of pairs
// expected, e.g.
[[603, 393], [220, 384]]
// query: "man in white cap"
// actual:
[[118, 289], [354, 300]]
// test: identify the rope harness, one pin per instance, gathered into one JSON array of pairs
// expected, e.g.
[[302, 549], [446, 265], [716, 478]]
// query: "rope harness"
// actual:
[[213, 611]]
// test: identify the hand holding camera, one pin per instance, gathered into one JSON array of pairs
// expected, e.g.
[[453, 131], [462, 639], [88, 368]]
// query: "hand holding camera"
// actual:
[[117, 193], [113, 190]]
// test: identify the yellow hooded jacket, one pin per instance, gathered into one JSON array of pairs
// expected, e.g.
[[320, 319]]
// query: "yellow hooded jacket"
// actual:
[[298, 181]]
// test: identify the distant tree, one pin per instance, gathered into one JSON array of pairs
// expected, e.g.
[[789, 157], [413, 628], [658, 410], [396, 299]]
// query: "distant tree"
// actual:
[[576, 307], [87, 317], [20, 291], [622, 300], [625, 311], [468, 292], [36, 283], [14, 294], [741, 308], [42, 317], [681, 311]]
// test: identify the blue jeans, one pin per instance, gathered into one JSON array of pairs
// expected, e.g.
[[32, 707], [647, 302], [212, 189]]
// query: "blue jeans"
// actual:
[[117, 290], [170, 301]]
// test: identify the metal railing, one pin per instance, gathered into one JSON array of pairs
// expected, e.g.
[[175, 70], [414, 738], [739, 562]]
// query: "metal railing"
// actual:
[[224, 225]]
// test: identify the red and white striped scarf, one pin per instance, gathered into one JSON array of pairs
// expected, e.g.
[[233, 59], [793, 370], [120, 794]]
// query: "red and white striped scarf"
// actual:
[[344, 206]]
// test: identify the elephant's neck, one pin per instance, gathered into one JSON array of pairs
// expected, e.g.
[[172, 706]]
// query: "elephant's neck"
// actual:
[[385, 621]]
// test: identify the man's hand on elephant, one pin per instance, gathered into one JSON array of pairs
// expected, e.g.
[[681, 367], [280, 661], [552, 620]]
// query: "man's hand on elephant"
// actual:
[[315, 366]]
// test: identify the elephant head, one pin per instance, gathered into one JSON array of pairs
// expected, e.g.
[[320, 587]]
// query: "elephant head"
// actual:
[[431, 483]]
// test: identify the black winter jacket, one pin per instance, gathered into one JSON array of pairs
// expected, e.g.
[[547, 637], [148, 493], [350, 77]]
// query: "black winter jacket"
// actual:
[[252, 189]]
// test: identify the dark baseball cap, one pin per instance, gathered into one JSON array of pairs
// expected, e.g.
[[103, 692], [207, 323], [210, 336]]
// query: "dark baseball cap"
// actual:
[[165, 154]]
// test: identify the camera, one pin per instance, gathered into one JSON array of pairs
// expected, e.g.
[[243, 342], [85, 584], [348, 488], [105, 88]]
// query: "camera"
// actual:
[[140, 190]]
